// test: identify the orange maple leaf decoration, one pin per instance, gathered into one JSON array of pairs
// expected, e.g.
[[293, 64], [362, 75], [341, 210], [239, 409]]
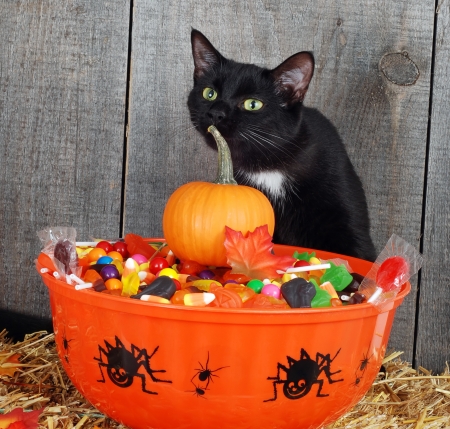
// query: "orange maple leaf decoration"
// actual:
[[7, 364], [252, 255], [18, 419]]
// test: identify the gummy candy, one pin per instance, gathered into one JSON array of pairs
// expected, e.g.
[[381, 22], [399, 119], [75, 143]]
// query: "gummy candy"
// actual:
[[298, 293]]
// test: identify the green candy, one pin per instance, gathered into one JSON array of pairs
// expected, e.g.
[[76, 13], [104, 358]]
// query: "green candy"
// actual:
[[338, 276], [256, 285], [305, 256], [322, 298]]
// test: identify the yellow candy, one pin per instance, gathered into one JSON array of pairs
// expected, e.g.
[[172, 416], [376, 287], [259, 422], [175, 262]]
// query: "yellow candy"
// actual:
[[169, 272], [118, 265], [314, 261], [130, 284], [204, 284], [286, 277]]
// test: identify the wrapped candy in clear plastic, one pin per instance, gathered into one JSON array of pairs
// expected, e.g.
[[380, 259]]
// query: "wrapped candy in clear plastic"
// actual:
[[59, 243], [395, 265]]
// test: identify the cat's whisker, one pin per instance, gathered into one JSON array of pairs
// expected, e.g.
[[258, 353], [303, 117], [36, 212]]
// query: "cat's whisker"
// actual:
[[279, 147], [259, 146], [276, 136], [262, 130]]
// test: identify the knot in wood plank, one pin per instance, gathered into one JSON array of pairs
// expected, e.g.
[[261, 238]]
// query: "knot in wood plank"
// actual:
[[398, 68]]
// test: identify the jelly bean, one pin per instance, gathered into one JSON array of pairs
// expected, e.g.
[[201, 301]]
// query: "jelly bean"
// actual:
[[140, 259], [105, 245], [204, 285], [391, 273], [298, 293], [168, 272], [95, 254], [104, 260], [121, 248], [199, 299], [271, 290], [113, 283], [161, 286], [157, 264], [256, 285], [206, 274]]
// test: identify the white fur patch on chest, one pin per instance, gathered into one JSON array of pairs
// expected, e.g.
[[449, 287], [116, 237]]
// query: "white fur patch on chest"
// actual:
[[270, 182]]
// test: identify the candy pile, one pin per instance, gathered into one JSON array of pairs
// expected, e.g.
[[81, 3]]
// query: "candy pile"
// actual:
[[138, 269]]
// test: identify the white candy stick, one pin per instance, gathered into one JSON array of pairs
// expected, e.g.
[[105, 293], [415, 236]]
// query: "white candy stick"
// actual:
[[86, 243], [83, 286], [376, 294], [44, 270], [305, 268], [76, 279], [56, 275]]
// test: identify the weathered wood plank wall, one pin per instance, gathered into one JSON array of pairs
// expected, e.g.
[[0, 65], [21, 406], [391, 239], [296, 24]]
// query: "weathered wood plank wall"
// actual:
[[63, 112], [433, 339], [63, 68]]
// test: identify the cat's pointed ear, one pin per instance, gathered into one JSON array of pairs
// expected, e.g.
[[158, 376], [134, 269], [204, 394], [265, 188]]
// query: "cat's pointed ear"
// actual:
[[204, 53], [292, 77]]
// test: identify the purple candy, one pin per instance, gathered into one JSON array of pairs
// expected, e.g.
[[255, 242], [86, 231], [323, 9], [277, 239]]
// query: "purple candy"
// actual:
[[206, 274], [231, 281], [109, 272]]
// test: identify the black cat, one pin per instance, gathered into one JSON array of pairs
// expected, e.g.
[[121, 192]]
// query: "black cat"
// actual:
[[291, 153]]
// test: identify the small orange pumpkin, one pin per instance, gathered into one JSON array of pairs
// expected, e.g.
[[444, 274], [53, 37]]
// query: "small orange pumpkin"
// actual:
[[196, 214]]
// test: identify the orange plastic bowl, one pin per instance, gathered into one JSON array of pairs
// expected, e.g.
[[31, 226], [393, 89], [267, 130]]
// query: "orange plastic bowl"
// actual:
[[173, 367]]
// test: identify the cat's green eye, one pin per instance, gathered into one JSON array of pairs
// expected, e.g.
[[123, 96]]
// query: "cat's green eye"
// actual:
[[209, 94], [252, 104]]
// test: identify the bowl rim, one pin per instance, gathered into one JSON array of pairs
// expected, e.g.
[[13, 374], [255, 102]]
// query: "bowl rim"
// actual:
[[221, 315]]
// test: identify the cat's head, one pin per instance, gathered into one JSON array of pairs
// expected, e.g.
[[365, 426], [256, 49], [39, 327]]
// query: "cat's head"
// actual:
[[257, 110]]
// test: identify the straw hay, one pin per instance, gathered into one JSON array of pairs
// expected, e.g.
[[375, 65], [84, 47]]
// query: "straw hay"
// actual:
[[400, 398]]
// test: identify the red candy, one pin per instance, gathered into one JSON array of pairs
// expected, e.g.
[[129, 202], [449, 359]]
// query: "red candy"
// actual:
[[392, 273], [157, 264], [122, 248], [105, 245]]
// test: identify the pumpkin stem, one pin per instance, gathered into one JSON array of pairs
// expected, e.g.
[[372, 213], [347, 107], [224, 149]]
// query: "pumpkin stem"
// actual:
[[225, 173]]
